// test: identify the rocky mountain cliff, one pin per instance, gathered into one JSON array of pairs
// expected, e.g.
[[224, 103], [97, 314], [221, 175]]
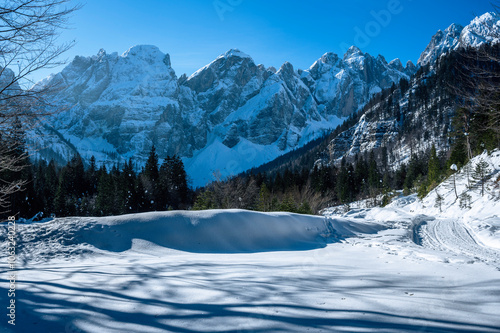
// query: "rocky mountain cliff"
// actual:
[[227, 117]]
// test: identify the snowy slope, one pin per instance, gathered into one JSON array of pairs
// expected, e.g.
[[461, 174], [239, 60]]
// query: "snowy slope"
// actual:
[[482, 220]]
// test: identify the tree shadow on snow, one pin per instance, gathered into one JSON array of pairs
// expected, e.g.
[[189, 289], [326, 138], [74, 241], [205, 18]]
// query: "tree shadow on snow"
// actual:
[[153, 299]]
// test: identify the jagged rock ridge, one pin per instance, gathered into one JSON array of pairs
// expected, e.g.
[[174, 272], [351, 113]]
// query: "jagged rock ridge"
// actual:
[[230, 115]]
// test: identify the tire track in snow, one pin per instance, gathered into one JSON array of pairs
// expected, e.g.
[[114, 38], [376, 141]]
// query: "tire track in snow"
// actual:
[[452, 236]]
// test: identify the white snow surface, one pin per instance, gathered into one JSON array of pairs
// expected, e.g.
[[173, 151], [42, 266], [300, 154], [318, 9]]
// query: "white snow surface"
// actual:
[[407, 267]]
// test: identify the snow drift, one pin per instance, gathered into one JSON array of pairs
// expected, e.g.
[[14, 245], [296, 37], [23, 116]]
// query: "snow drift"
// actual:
[[212, 231]]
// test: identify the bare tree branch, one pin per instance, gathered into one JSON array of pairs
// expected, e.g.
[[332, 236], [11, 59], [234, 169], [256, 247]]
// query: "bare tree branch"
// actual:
[[29, 30]]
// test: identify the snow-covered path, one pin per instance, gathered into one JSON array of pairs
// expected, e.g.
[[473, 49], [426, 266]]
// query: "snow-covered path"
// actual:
[[453, 237]]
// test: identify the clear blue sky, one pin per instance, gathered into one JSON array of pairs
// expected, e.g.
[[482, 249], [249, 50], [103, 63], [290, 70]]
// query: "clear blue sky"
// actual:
[[195, 32]]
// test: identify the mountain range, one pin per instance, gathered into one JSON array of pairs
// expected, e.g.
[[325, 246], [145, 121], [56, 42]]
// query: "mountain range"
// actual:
[[228, 116]]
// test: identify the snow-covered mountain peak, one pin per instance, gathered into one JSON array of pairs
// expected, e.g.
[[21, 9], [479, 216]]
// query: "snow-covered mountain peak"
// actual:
[[101, 54], [397, 65], [271, 69], [410, 66], [286, 68], [488, 18], [141, 50], [223, 64], [381, 58], [329, 58], [440, 43], [485, 28], [355, 57], [149, 53], [353, 52], [454, 30], [234, 53]]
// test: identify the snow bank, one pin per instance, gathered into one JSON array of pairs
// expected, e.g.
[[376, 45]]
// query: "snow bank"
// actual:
[[223, 231], [211, 231]]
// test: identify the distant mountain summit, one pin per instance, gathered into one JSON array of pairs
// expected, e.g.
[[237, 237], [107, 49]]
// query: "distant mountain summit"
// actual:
[[483, 29], [341, 85]]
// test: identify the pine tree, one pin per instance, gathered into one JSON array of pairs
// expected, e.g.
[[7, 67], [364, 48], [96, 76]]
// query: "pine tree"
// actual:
[[140, 201], [465, 200], [173, 187], [304, 208], [127, 183], [106, 194], [51, 184], [179, 180], [63, 200], [480, 173], [91, 179], [345, 181], [434, 169], [149, 179], [439, 201], [204, 200], [151, 167], [264, 201], [288, 205], [373, 174]]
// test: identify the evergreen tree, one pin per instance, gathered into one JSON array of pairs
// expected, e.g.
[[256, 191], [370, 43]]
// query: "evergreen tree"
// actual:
[[434, 168], [173, 183], [91, 179], [204, 200], [64, 204], [128, 193], [70, 189], [140, 201], [480, 173], [439, 202], [179, 180], [106, 193], [373, 174], [287, 204], [151, 167], [264, 201], [305, 208], [50, 188], [345, 182]]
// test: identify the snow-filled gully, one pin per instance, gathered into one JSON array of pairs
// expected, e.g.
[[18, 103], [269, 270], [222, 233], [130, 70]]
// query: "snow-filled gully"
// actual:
[[452, 236]]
